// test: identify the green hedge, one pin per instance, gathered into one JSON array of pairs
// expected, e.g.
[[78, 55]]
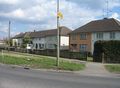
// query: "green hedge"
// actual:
[[109, 50], [63, 54]]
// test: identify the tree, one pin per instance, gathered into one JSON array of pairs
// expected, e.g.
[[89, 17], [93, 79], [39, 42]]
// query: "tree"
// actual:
[[26, 40], [8, 42]]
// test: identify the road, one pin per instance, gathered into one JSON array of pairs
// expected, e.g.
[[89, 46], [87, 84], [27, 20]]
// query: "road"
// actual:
[[21, 78]]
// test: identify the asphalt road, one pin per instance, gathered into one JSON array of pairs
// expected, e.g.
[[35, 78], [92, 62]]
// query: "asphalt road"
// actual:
[[21, 78]]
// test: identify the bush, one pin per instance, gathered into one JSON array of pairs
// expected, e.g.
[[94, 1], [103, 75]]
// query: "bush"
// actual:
[[110, 49]]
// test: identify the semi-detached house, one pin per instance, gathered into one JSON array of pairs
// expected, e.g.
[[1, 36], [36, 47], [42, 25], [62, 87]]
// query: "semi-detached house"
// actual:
[[83, 38], [46, 39]]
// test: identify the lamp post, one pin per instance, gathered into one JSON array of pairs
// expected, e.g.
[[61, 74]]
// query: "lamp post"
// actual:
[[58, 35]]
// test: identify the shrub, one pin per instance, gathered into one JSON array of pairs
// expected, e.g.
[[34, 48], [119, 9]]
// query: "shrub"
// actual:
[[111, 50]]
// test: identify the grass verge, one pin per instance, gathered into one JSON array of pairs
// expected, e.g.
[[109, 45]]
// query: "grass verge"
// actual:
[[113, 68], [38, 62]]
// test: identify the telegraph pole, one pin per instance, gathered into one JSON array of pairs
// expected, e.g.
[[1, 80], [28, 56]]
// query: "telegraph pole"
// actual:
[[58, 35], [9, 34]]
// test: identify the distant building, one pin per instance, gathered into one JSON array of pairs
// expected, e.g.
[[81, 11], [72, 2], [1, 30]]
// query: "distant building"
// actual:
[[83, 38], [46, 39], [2, 43]]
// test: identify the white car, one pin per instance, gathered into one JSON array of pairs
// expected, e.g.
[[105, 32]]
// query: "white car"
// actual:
[[29, 46]]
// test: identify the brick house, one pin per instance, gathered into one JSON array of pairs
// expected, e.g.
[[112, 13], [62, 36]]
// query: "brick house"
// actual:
[[83, 38]]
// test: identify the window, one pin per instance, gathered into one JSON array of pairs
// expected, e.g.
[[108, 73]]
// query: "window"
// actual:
[[83, 47], [112, 35], [40, 46], [83, 36], [50, 38], [36, 46], [50, 46], [18, 44], [39, 38], [99, 35]]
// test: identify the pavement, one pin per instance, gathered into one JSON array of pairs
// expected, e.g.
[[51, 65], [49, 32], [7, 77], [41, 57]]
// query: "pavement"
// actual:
[[18, 77], [96, 69]]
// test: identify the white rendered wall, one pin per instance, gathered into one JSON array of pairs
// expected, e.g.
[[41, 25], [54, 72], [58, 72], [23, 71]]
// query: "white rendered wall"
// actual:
[[106, 36], [38, 41]]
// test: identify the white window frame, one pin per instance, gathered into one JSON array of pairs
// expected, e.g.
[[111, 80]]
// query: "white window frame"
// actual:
[[99, 35], [112, 35]]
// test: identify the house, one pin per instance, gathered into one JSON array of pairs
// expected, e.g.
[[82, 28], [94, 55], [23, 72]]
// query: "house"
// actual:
[[83, 38], [2, 42], [18, 39], [46, 39]]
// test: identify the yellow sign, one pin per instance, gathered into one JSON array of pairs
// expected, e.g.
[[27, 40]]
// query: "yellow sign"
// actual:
[[60, 15]]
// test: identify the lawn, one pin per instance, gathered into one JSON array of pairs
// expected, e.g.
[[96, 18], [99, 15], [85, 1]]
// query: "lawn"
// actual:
[[38, 61], [113, 68]]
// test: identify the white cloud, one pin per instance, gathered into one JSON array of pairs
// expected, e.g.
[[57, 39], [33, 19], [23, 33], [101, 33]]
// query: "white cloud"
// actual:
[[9, 1], [115, 15], [74, 15], [43, 12], [14, 14], [18, 13]]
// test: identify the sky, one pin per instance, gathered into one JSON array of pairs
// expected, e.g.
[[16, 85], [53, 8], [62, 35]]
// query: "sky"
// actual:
[[30, 15]]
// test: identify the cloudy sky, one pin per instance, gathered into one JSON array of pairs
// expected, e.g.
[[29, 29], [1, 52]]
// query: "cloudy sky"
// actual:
[[29, 15]]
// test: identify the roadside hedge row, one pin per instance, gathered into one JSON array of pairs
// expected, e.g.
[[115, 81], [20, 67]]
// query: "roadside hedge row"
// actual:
[[63, 54], [107, 51]]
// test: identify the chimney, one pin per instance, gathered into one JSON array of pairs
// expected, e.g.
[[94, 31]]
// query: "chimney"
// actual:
[[105, 18]]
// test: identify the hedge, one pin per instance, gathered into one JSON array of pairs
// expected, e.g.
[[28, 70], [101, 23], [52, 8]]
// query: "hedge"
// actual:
[[63, 53], [108, 50]]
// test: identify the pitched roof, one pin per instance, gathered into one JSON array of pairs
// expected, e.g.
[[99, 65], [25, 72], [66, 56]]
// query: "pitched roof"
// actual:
[[53, 32], [19, 35], [103, 25]]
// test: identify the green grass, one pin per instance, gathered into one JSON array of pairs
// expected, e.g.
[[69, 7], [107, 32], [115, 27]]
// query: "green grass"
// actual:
[[37, 61], [113, 68], [71, 66]]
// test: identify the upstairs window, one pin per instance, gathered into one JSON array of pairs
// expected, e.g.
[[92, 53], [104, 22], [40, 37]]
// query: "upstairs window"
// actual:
[[83, 36], [99, 35], [112, 35], [39, 38]]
